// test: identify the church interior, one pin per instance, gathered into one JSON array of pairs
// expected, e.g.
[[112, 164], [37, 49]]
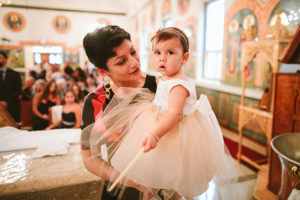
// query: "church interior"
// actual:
[[244, 56]]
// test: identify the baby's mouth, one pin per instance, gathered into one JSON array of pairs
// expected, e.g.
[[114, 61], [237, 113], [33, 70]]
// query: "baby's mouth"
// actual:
[[162, 67]]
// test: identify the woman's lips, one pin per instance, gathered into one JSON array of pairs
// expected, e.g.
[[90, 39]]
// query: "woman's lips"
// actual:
[[137, 70]]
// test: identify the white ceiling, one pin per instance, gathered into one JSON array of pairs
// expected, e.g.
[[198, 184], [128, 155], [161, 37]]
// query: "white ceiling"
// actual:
[[113, 6]]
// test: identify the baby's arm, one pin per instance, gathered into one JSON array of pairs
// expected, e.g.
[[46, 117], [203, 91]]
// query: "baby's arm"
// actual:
[[177, 97]]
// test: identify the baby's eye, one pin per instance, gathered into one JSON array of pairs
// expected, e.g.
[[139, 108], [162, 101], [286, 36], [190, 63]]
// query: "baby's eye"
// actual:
[[170, 52], [156, 52]]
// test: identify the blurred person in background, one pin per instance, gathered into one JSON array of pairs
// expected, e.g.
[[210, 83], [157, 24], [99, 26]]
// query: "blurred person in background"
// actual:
[[41, 104], [39, 86], [61, 87], [78, 93], [91, 83], [79, 75], [10, 88], [27, 91], [71, 114]]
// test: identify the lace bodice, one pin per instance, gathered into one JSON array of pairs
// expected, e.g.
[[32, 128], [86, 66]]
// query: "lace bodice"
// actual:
[[164, 87]]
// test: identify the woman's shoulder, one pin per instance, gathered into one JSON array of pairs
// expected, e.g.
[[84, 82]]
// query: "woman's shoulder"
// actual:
[[38, 95], [95, 99], [77, 106]]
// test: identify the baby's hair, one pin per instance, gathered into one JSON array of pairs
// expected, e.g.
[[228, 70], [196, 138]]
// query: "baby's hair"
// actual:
[[171, 32]]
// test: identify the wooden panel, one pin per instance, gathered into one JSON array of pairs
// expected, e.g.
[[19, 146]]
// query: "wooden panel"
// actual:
[[286, 118], [26, 113]]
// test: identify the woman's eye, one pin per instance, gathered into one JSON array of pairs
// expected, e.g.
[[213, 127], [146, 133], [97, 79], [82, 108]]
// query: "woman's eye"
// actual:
[[170, 52], [121, 62]]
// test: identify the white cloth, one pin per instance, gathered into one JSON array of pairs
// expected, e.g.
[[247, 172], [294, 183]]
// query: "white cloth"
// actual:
[[56, 112], [12, 139], [51, 148], [295, 195], [187, 158], [163, 90]]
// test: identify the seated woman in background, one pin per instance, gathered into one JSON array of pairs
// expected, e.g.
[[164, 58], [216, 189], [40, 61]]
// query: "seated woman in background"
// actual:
[[41, 103], [79, 96], [71, 114]]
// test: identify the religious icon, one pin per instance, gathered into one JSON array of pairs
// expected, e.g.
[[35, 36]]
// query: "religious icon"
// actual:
[[61, 24], [233, 43], [190, 29], [183, 6], [14, 21], [249, 29], [104, 21], [153, 14], [166, 7]]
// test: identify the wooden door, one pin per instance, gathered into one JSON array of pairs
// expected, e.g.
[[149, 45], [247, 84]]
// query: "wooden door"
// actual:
[[286, 118]]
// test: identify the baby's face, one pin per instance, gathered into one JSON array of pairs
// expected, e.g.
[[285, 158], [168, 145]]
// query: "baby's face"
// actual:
[[168, 57]]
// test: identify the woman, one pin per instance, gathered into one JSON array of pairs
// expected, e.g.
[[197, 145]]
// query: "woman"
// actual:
[[110, 49], [79, 96], [41, 103], [71, 113]]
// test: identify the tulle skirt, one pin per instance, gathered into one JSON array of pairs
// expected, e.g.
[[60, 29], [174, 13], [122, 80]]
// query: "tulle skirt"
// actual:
[[186, 159]]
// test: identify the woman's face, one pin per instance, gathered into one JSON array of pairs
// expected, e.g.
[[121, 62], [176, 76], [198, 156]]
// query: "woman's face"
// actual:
[[75, 89], [124, 67], [69, 98], [52, 87]]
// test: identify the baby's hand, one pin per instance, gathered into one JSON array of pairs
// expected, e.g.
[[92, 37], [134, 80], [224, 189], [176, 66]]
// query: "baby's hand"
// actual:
[[149, 142]]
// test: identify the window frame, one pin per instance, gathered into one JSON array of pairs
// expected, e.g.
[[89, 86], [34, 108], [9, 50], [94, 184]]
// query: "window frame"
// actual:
[[204, 51]]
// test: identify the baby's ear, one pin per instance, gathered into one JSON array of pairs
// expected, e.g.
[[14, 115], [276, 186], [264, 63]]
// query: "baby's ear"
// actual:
[[186, 56]]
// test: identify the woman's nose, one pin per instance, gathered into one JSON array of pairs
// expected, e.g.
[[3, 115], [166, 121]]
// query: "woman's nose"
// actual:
[[134, 62]]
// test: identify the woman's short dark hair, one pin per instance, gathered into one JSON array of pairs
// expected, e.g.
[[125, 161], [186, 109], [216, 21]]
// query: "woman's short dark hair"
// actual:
[[98, 45]]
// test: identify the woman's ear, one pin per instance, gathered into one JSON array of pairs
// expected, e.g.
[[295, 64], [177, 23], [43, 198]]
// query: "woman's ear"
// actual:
[[186, 56], [101, 71]]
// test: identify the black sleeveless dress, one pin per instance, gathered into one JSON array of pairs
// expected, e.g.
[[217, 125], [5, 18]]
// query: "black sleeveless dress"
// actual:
[[40, 123], [68, 120]]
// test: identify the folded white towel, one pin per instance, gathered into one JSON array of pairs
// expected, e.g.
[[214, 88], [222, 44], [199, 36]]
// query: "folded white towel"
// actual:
[[12, 139], [51, 148]]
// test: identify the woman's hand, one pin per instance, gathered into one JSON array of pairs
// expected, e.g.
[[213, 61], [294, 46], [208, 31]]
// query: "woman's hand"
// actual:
[[148, 193], [150, 142], [45, 116]]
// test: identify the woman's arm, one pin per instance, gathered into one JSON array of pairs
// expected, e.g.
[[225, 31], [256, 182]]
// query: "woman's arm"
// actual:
[[100, 168], [58, 100], [177, 98], [54, 125], [77, 116], [35, 105]]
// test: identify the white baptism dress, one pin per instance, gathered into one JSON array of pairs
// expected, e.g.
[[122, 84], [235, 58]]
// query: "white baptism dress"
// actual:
[[185, 159]]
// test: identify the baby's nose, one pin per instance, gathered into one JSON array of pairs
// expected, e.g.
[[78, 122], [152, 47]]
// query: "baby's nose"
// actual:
[[162, 58]]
